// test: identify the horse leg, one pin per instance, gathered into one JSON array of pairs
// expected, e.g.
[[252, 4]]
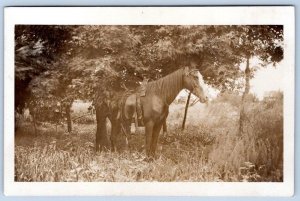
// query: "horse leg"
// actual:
[[126, 132], [113, 137], [128, 127], [148, 131], [165, 131], [97, 144], [156, 131], [133, 126], [99, 134]]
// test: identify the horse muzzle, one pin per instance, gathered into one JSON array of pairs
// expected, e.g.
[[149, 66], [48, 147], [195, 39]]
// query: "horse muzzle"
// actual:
[[202, 98]]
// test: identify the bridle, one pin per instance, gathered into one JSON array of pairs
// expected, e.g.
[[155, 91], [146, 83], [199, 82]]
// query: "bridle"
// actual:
[[189, 73]]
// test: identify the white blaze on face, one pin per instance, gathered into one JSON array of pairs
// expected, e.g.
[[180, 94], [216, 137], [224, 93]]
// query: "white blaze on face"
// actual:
[[202, 84]]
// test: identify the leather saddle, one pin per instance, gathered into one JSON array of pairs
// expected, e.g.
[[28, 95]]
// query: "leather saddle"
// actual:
[[130, 107]]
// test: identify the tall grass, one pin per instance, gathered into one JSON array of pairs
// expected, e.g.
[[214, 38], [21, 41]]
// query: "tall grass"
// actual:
[[257, 154], [209, 149]]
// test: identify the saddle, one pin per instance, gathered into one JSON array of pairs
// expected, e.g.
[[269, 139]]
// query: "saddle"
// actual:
[[137, 116]]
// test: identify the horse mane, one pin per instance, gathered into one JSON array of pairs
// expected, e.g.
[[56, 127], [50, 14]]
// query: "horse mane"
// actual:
[[167, 87]]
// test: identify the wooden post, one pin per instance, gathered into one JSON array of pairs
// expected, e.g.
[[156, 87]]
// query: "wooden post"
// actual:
[[68, 114], [57, 113], [32, 112], [185, 111]]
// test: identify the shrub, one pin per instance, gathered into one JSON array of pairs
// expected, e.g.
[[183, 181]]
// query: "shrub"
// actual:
[[261, 143], [85, 119]]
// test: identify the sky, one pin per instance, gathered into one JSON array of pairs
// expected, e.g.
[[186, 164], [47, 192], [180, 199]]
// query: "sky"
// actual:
[[267, 79]]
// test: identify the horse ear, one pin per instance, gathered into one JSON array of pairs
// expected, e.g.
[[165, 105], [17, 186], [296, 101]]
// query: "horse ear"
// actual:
[[186, 70]]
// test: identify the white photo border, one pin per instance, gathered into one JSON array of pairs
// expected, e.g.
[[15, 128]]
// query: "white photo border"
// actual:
[[255, 15]]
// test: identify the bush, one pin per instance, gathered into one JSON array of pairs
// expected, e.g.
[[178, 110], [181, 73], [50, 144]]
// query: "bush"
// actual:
[[257, 154], [85, 119], [228, 97]]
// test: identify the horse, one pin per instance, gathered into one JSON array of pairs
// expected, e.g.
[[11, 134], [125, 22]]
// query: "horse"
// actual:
[[158, 97]]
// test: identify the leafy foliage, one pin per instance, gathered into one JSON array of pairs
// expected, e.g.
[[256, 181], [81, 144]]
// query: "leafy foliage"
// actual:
[[77, 61], [37, 50]]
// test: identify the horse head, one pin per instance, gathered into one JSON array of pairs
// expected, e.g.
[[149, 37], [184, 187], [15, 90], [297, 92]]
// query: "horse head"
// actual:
[[193, 81]]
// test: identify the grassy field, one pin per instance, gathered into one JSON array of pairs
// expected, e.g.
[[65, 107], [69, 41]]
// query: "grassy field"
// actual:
[[209, 149]]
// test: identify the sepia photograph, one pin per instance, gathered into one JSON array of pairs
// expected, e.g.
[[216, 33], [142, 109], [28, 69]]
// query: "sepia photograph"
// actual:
[[154, 102]]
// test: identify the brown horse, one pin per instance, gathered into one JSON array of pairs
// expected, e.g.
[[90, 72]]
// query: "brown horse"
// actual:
[[159, 95]]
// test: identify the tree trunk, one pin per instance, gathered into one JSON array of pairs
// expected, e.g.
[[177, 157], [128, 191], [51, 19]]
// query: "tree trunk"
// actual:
[[34, 123], [68, 114], [245, 93], [185, 111], [102, 142], [247, 79]]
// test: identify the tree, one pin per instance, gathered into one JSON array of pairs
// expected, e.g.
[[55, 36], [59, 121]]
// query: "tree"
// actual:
[[264, 42], [79, 62], [37, 50]]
